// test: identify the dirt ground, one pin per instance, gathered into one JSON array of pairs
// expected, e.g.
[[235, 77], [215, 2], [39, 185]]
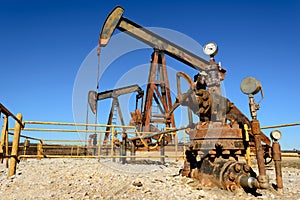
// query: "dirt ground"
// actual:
[[91, 179]]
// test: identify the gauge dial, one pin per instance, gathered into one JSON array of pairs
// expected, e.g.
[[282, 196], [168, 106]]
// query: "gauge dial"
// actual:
[[250, 85], [210, 49], [276, 135]]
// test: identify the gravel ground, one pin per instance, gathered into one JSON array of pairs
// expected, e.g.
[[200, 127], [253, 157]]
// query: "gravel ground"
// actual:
[[91, 179]]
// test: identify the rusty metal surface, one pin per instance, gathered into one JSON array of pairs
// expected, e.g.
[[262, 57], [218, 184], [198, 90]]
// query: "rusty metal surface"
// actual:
[[262, 179], [219, 138], [276, 155], [158, 92], [224, 173]]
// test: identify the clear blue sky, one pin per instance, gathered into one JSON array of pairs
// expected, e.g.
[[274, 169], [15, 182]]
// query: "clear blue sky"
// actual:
[[43, 43]]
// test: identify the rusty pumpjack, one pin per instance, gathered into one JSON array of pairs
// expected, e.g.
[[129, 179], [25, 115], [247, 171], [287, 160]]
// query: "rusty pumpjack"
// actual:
[[224, 135]]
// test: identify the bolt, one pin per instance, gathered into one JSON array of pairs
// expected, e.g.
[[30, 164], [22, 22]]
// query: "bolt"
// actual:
[[231, 176], [247, 168], [218, 145], [237, 168], [232, 188]]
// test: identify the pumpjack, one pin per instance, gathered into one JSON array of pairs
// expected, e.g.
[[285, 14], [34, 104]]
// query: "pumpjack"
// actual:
[[218, 153], [94, 97]]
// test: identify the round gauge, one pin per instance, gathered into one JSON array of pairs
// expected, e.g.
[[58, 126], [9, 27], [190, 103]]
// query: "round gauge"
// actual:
[[275, 135], [250, 85], [210, 49]]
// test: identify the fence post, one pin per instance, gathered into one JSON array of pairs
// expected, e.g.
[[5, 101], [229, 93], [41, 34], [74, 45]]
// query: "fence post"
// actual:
[[15, 147], [112, 150], [3, 137], [39, 150], [124, 147], [6, 146], [26, 145], [77, 152], [162, 149], [132, 151], [99, 146], [176, 145]]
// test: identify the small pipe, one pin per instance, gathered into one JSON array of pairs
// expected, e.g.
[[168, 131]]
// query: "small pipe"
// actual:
[[281, 125]]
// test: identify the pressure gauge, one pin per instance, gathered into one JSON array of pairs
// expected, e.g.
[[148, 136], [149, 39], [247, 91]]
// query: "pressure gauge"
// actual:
[[275, 135], [250, 85], [210, 49]]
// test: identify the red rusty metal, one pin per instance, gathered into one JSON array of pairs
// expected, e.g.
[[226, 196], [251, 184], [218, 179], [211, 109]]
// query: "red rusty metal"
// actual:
[[276, 155], [262, 179], [218, 140], [159, 91]]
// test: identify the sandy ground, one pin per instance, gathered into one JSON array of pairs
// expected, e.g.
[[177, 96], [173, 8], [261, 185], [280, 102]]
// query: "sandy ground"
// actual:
[[91, 179]]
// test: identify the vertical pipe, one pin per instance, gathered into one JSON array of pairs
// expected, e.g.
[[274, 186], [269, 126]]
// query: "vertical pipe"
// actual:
[[276, 154], [262, 178], [15, 147]]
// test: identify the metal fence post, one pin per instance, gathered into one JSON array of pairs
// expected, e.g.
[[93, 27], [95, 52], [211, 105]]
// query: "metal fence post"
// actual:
[[3, 137], [132, 151], [25, 147], [112, 150], [176, 146], [99, 146], [162, 149], [15, 147]]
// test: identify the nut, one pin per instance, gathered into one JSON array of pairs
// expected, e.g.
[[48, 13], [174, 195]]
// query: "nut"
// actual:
[[247, 168], [231, 176], [237, 168]]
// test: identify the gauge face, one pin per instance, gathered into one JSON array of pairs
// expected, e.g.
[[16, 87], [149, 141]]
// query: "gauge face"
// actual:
[[276, 134], [250, 85], [210, 49]]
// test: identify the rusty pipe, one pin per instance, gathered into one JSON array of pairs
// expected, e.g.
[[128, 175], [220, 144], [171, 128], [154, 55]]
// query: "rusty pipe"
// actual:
[[276, 154], [262, 178]]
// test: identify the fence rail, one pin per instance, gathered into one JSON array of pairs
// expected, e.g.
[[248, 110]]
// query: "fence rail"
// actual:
[[84, 148]]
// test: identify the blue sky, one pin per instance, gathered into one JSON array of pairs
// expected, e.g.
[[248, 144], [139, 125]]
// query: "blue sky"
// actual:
[[43, 44]]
